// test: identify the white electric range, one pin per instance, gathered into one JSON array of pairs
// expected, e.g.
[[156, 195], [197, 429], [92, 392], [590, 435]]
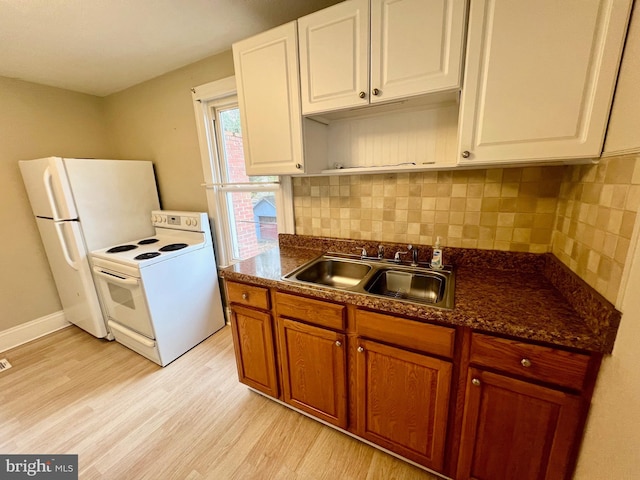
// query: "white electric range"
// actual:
[[161, 293]]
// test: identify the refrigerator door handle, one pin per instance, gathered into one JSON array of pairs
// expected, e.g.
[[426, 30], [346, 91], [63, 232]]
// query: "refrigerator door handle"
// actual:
[[64, 246], [48, 187]]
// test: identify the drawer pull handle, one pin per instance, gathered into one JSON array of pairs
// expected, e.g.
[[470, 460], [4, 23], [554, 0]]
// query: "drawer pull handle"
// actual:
[[338, 343], [525, 362], [245, 296], [360, 349], [475, 382]]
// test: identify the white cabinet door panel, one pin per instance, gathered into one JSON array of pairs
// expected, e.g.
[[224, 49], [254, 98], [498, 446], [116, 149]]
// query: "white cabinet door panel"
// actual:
[[266, 69], [416, 46], [539, 78], [334, 53]]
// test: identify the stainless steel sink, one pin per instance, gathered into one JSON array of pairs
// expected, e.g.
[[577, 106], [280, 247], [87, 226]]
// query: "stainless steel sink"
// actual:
[[428, 288], [333, 272], [421, 285]]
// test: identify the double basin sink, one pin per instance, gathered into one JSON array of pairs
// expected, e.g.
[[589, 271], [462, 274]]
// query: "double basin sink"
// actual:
[[379, 278]]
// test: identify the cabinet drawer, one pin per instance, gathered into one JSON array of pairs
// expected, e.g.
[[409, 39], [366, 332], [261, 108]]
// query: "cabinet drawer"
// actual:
[[321, 313], [249, 295], [546, 364], [406, 333]]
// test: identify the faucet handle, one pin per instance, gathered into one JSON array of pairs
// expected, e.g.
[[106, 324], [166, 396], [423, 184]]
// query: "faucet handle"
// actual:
[[396, 257]]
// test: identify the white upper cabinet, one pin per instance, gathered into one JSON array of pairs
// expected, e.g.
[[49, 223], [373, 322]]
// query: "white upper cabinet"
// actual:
[[266, 68], [359, 52], [416, 47], [622, 132], [539, 79], [334, 57]]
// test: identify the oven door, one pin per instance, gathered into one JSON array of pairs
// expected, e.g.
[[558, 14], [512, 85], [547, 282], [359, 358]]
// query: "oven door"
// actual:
[[124, 300]]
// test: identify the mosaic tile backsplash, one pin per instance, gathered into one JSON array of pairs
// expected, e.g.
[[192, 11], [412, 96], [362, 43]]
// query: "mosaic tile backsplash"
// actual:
[[597, 210], [502, 209], [526, 209]]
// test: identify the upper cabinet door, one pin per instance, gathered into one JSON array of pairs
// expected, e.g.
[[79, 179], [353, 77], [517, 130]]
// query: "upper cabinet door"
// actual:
[[334, 57], [416, 47], [539, 78], [266, 68], [622, 132]]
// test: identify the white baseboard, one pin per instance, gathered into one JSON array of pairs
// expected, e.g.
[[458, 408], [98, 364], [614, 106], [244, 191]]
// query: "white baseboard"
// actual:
[[31, 330]]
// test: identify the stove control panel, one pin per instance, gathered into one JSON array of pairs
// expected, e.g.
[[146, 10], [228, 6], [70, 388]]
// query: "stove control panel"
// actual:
[[192, 221]]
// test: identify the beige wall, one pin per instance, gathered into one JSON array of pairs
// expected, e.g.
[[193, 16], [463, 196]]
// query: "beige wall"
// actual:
[[36, 121], [155, 121]]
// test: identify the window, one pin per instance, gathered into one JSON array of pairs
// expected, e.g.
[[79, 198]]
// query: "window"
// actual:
[[247, 211]]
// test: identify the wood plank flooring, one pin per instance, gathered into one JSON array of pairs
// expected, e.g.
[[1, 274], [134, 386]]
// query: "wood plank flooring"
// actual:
[[127, 418]]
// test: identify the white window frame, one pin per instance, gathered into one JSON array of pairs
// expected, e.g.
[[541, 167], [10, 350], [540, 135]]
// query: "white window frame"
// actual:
[[220, 94]]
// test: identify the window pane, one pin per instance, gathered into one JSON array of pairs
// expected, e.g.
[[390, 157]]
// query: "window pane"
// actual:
[[253, 222], [232, 147]]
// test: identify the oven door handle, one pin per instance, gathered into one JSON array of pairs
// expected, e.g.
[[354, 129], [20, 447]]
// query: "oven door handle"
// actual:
[[115, 278]]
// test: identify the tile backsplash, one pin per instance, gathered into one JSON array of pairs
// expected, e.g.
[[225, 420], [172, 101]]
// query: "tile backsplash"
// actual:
[[597, 210], [584, 214], [502, 208]]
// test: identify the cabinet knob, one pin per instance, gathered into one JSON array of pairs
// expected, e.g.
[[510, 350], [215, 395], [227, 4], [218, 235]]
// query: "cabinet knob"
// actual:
[[466, 154], [525, 362], [245, 296], [338, 343], [362, 94], [475, 382], [299, 166], [376, 92], [360, 349]]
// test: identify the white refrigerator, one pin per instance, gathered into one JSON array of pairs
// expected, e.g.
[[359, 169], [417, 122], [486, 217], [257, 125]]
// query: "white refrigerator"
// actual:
[[82, 205]]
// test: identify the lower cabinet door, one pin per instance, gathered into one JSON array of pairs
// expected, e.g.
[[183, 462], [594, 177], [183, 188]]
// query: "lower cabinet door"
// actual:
[[314, 370], [514, 429], [255, 352], [403, 401]]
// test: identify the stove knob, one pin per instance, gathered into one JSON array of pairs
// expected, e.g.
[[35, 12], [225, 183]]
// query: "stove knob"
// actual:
[[188, 222], [194, 222]]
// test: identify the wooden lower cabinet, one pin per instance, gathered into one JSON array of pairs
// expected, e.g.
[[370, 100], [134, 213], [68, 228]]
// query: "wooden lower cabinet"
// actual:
[[403, 401], [514, 429], [314, 370], [255, 349], [469, 405]]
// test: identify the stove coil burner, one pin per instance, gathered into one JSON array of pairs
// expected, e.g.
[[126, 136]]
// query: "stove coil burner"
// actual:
[[122, 248], [146, 256], [173, 246], [147, 241]]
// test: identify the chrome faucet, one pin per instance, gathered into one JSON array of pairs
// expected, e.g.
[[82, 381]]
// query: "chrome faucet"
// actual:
[[380, 252], [414, 260]]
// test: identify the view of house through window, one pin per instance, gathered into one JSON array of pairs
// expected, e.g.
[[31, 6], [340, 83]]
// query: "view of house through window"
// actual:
[[249, 201]]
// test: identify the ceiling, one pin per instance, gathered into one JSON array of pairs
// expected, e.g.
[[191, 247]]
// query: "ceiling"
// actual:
[[104, 46]]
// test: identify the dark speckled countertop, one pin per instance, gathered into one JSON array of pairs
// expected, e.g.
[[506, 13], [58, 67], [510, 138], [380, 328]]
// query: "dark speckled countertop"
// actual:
[[522, 295]]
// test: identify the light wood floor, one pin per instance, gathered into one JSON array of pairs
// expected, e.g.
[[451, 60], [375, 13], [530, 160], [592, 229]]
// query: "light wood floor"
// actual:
[[127, 418]]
